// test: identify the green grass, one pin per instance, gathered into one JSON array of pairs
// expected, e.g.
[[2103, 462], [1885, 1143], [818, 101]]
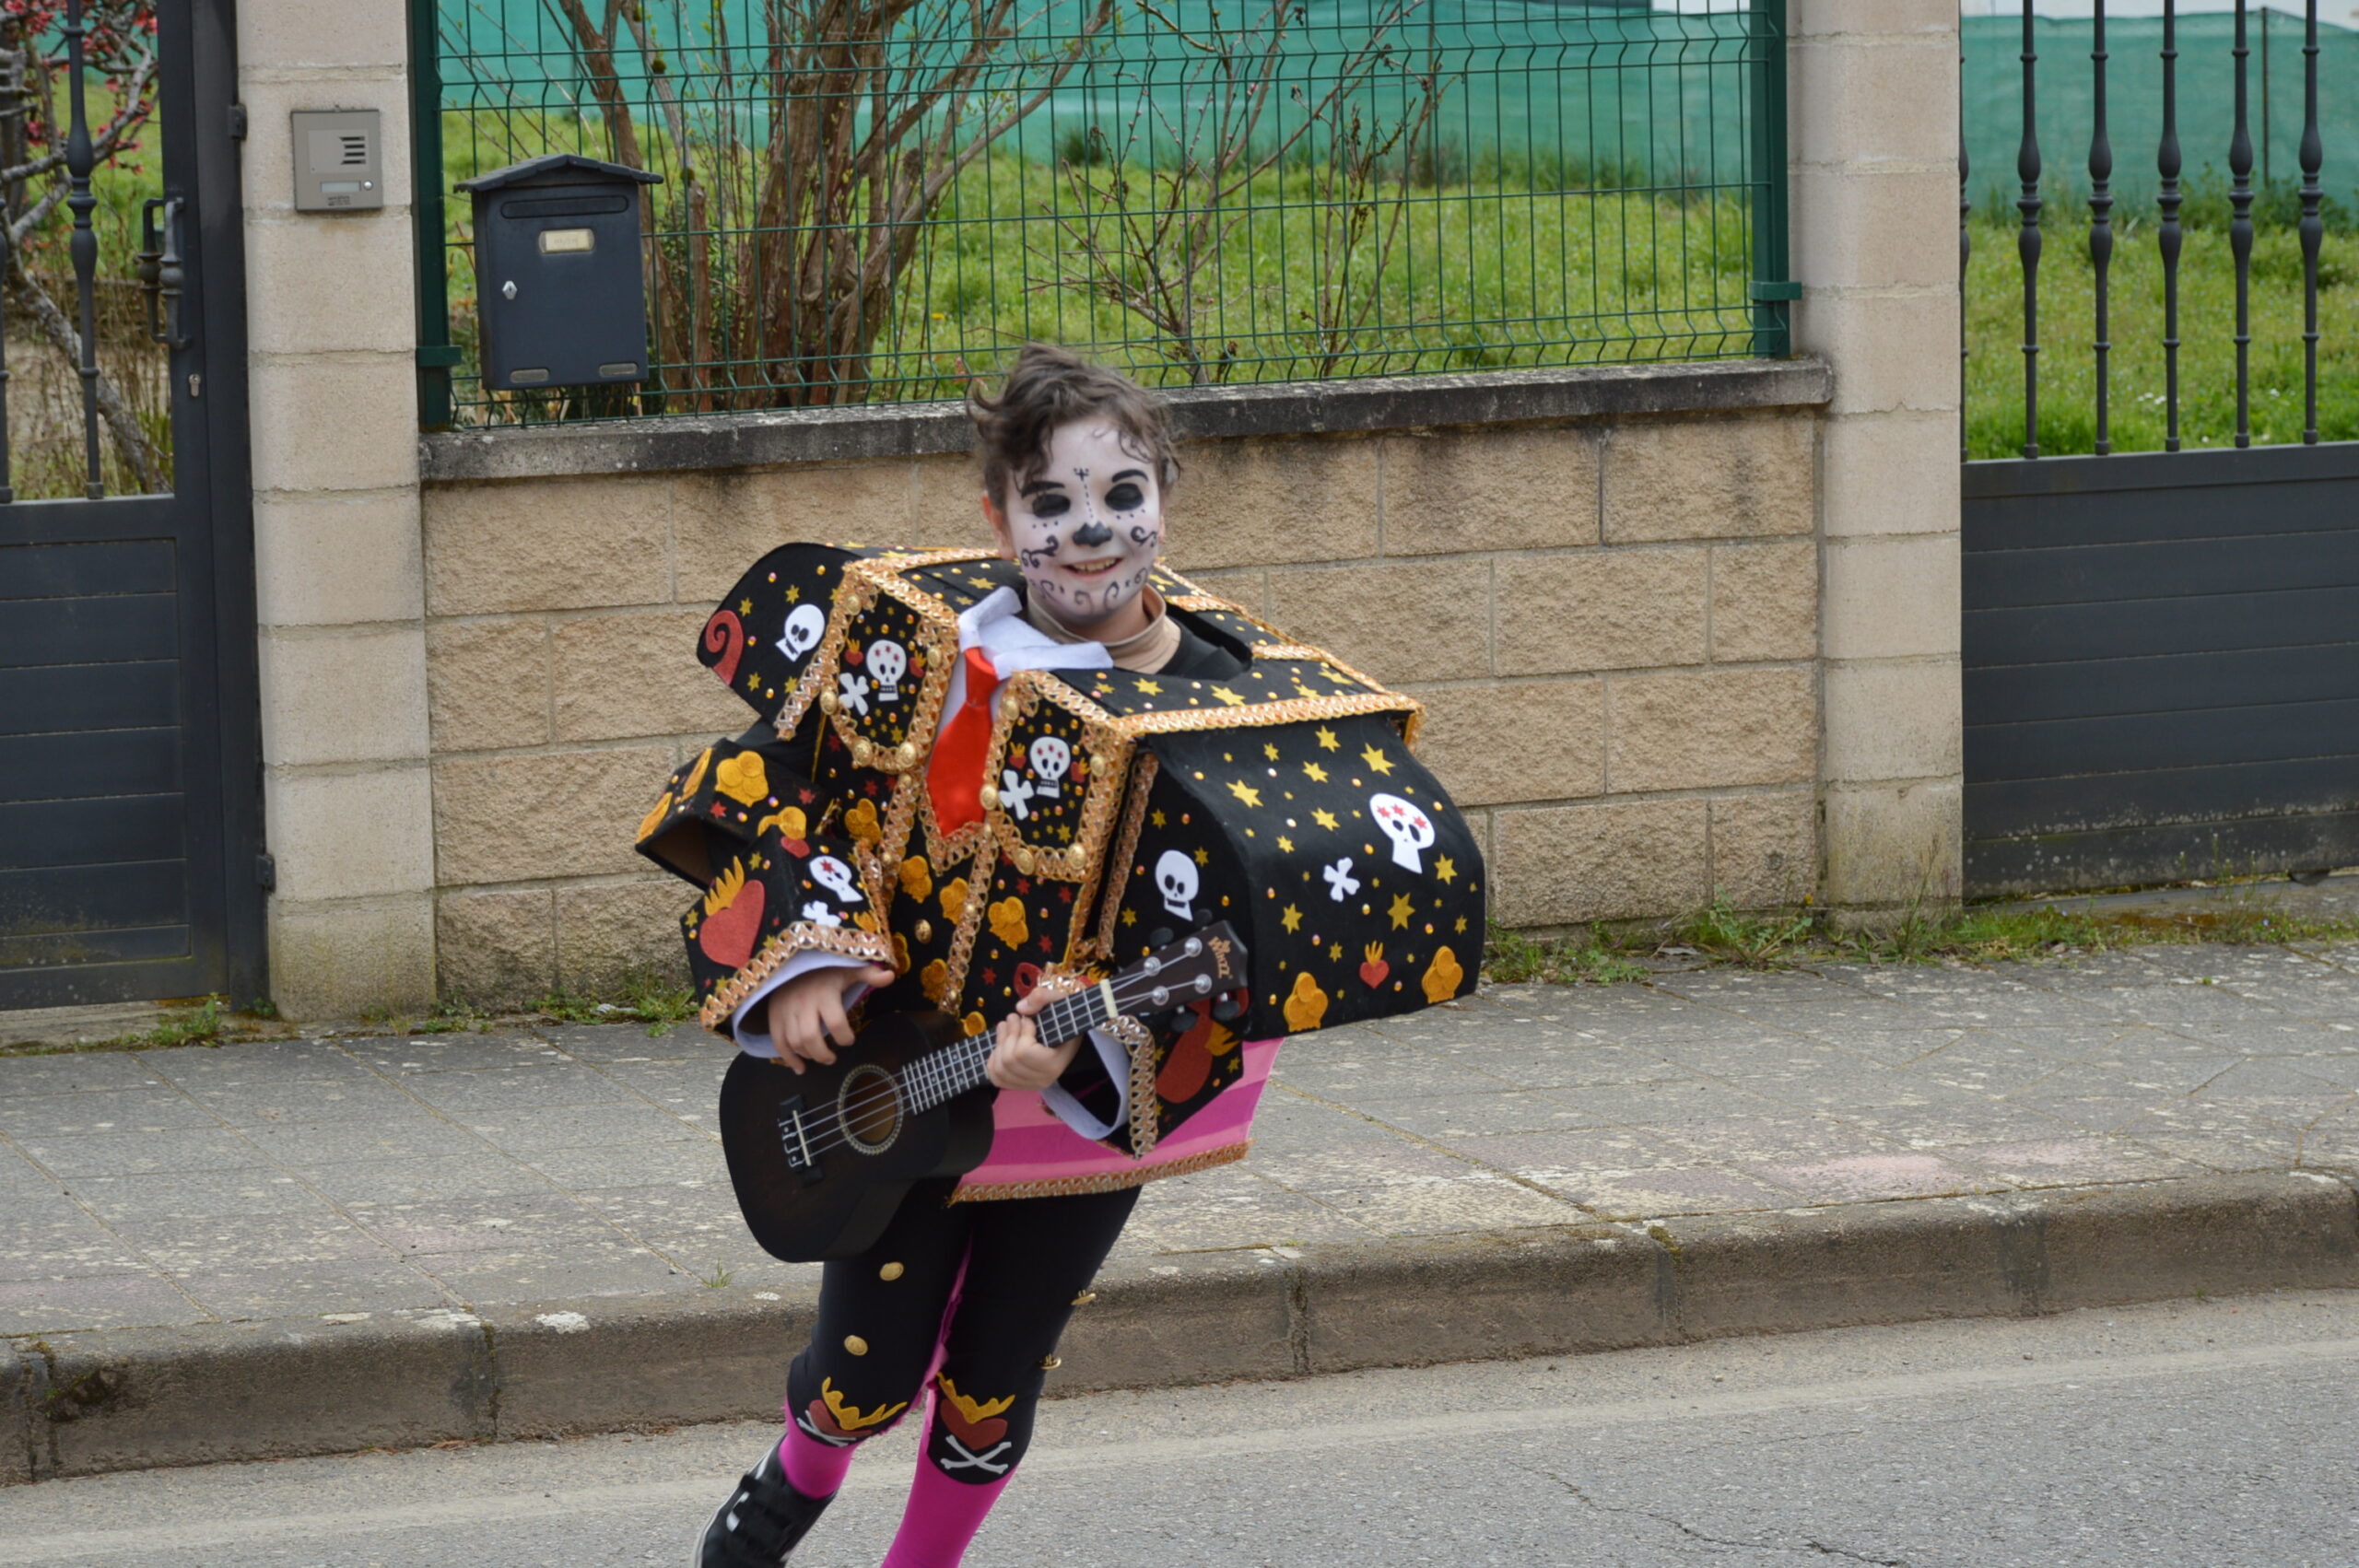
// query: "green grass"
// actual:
[[1512, 958], [210, 1023], [1802, 938], [660, 1003], [2207, 328]]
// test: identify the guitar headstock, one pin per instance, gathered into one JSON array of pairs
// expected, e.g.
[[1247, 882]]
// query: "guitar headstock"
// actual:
[[1211, 962], [1208, 966]]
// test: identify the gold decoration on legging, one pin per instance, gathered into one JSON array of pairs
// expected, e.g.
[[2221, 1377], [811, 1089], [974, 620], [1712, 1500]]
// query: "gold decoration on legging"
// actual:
[[1050, 1363], [890, 1272], [973, 1410], [849, 1419], [855, 1344], [1084, 1298]]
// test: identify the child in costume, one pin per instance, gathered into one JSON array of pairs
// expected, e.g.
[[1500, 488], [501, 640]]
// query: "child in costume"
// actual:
[[981, 779]]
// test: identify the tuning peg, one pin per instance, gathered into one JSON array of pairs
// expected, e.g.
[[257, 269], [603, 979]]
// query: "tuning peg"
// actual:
[[1179, 1021], [1162, 936], [1228, 1010]]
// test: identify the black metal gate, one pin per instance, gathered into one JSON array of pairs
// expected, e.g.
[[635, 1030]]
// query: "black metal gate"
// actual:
[[2162, 649], [130, 810], [2162, 666]]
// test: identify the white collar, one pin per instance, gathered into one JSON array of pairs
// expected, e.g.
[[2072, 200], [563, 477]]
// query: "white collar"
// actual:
[[997, 627]]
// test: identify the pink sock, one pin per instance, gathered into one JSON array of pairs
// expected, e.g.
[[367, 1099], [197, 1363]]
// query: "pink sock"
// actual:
[[941, 1519], [813, 1467]]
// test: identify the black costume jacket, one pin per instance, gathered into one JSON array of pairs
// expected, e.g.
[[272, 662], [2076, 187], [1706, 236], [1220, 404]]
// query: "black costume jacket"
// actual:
[[1253, 780]]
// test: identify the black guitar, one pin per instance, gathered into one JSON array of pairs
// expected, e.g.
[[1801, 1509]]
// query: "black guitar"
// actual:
[[821, 1158]]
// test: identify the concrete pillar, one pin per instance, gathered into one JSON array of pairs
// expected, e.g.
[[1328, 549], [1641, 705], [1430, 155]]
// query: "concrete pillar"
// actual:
[[341, 590], [1874, 89]]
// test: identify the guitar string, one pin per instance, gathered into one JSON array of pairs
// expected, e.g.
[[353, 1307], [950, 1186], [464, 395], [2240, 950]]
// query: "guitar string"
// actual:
[[1078, 1014], [834, 1131], [1066, 1011]]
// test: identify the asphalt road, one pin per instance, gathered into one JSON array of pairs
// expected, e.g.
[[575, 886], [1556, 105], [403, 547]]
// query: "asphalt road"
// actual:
[[2214, 1433]]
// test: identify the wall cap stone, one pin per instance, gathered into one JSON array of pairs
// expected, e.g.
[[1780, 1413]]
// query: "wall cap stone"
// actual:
[[1276, 408]]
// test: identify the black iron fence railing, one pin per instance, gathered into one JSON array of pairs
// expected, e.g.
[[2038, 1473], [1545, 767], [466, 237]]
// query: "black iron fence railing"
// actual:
[[2219, 308]]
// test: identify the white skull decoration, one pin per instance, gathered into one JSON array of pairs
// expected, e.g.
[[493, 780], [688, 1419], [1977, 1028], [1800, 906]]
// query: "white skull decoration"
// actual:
[[1051, 758], [836, 877], [1175, 878], [802, 631], [889, 661], [1409, 828]]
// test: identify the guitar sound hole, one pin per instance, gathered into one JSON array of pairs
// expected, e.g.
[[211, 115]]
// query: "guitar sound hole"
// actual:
[[869, 1106]]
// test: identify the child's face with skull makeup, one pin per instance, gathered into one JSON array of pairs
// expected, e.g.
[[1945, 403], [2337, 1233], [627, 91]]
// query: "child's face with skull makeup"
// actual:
[[1084, 528]]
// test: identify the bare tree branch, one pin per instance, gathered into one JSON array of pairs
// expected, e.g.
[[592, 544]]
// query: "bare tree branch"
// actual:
[[138, 453]]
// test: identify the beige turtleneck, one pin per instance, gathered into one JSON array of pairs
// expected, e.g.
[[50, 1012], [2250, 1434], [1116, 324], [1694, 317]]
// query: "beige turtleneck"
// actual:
[[1144, 654]]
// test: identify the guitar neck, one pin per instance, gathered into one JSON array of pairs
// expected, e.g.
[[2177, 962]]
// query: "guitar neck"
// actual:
[[942, 1077]]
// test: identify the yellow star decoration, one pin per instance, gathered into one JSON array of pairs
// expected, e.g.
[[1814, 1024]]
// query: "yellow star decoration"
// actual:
[[745, 606], [1461, 921], [1445, 870], [1290, 918], [793, 593], [1269, 751], [1324, 819], [1245, 792], [1131, 917], [1327, 739], [1150, 687], [1400, 911], [1376, 761], [1203, 857], [1285, 845], [1158, 817], [1316, 772], [1227, 697]]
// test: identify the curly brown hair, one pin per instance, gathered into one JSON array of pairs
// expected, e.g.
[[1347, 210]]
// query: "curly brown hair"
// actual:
[[1049, 387]]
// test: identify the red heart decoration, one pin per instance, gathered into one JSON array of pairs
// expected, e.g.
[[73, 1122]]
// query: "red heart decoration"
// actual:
[[981, 1434], [727, 937], [1373, 972]]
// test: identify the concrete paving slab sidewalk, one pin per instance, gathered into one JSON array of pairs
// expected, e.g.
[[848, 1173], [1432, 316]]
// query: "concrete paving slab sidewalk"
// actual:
[[308, 1244]]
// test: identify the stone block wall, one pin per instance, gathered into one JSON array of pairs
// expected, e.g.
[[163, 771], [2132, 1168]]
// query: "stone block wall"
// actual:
[[1616, 623], [1874, 87], [347, 792]]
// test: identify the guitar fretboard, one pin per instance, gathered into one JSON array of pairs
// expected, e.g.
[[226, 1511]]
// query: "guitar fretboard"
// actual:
[[938, 1078]]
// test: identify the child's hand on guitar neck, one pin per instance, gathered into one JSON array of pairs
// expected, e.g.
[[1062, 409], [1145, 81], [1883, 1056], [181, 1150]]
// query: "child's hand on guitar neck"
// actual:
[[1018, 1059], [808, 1010]]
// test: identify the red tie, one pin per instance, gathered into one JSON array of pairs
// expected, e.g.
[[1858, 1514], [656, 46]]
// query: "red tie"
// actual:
[[962, 750]]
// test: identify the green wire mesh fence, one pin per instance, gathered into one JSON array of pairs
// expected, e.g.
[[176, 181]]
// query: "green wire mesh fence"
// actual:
[[871, 201]]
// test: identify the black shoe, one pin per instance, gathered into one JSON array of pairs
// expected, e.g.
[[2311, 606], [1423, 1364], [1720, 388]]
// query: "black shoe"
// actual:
[[761, 1522]]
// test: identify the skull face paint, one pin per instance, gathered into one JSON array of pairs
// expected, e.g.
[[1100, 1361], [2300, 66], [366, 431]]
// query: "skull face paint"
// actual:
[[1086, 528]]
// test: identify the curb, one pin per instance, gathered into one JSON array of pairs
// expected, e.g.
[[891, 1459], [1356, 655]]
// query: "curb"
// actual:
[[90, 1403]]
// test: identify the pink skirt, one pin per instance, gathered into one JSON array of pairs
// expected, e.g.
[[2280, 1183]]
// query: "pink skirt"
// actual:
[[1035, 1155]]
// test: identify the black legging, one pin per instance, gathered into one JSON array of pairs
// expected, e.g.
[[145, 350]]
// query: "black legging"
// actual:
[[881, 1315]]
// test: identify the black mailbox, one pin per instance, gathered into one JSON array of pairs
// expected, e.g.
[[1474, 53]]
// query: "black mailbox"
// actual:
[[557, 282]]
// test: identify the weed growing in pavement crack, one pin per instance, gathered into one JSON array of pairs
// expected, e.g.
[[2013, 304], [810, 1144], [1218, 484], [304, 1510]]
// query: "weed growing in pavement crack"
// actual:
[[640, 997]]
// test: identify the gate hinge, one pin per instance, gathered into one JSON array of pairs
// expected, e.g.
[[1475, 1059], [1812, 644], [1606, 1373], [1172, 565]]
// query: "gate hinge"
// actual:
[[266, 871], [236, 121]]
